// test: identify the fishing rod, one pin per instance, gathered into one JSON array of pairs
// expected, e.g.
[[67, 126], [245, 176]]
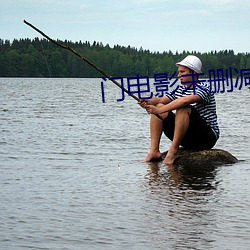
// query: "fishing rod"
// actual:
[[86, 60]]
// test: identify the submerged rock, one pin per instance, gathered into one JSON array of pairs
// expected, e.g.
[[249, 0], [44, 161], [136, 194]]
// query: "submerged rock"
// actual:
[[204, 157]]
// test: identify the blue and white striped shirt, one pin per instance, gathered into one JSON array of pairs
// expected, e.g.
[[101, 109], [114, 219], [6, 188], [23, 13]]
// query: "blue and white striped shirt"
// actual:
[[206, 108]]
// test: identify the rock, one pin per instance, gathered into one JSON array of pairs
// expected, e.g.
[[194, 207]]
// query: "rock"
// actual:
[[204, 157]]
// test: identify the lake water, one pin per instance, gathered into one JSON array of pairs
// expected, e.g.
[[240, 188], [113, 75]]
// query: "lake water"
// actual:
[[72, 174]]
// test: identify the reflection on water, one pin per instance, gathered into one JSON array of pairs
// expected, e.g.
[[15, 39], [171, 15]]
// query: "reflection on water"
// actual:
[[62, 187], [184, 195], [194, 206], [189, 177]]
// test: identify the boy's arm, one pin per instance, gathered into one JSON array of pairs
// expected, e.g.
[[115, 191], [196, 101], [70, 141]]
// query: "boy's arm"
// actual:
[[176, 104]]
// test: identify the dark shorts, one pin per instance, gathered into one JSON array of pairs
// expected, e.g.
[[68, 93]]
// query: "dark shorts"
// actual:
[[199, 135]]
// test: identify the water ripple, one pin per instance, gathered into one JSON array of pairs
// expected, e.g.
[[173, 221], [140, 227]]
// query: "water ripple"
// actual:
[[72, 175]]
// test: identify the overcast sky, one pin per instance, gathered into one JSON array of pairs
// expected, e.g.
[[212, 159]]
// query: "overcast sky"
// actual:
[[157, 25]]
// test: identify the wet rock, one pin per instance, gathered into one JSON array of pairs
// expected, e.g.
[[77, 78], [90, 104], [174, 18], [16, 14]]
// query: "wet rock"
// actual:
[[204, 157]]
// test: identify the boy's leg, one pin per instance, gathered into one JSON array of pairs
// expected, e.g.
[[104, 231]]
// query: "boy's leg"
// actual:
[[181, 126], [156, 127]]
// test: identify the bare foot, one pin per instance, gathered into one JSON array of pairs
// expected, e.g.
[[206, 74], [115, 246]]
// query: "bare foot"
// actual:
[[153, 156], [170, 157]]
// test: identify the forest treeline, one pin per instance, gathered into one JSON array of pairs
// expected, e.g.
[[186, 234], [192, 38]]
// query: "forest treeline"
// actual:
[[41, 58]]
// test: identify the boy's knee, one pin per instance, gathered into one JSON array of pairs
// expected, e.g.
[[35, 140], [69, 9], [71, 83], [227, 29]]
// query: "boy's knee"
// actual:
[[158, 105], [184, 110]]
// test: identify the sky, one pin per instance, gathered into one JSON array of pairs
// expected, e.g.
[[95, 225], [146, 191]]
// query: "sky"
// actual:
[[155, 25]]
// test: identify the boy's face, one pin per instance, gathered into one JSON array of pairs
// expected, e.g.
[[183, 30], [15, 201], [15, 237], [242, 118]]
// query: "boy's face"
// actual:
[[182, 70]]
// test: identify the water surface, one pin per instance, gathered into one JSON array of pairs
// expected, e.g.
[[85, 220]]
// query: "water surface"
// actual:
[[72, 175]]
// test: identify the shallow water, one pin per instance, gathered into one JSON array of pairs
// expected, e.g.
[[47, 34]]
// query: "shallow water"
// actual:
[[72, 175]]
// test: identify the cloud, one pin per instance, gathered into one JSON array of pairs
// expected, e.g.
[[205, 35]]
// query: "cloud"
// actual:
[[222, 2], [225, 5], [148, 2], [84, 6]]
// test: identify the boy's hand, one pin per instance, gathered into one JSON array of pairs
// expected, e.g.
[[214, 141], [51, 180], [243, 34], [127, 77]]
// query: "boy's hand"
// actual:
[[151, 109]]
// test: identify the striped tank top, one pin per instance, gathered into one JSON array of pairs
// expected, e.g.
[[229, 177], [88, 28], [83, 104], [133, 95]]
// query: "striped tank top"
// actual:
[[206, 108]]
